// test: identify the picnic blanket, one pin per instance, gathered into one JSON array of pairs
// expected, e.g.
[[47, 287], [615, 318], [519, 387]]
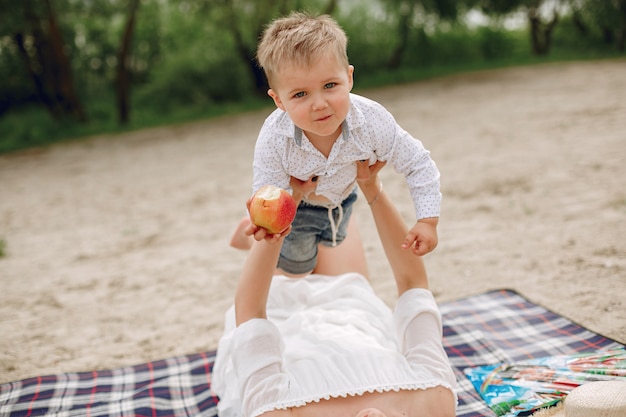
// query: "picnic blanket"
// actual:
[[490, 328], [521, 388], [503, 327]]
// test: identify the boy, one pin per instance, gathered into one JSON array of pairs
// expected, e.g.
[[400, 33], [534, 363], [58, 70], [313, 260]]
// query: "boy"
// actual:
[[322, 136]]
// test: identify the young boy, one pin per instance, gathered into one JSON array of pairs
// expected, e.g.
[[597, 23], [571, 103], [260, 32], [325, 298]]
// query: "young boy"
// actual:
[[322, 135]]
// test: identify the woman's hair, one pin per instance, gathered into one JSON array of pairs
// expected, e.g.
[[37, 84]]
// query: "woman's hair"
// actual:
[[299, 39]]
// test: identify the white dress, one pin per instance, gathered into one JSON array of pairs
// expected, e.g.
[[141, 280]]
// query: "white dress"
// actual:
[[328, 337]]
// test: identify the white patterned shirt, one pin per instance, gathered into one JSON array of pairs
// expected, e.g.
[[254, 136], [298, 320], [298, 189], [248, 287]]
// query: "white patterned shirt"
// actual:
[[369, 132]]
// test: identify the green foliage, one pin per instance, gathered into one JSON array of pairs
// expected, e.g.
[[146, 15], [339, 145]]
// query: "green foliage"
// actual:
[[194, 77], [496, 43], [452, 47], [370, 40], [192, 59], [502, 7], [568, 39], [25, 129], [3, 248]]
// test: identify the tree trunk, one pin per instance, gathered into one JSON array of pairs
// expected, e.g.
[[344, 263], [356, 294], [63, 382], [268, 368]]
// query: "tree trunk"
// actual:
[[404, 24], [36, 77], [122, 75], [245, 53], [621, 31], [48, 65], [607, 35], [61, 70], [540, 32], [579, 24], [330, 7], [38, 60]]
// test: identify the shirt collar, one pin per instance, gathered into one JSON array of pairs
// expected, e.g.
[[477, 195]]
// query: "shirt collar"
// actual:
[[345, 133]]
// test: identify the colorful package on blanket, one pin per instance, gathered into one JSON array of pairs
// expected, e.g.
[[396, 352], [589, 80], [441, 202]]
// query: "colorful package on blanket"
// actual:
[[520, 388]]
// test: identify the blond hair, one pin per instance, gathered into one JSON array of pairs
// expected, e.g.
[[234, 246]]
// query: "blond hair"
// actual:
[[299, 39]]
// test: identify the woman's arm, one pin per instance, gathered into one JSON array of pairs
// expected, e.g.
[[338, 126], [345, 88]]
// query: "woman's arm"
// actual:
[[408, 269], [255, 280]]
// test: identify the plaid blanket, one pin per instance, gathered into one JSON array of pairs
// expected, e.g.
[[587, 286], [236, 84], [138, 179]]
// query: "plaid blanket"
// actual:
[[498, 326], [502, 326]]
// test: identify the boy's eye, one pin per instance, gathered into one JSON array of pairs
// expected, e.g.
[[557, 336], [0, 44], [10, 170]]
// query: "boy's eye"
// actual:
[[329, 85], [299, 94]]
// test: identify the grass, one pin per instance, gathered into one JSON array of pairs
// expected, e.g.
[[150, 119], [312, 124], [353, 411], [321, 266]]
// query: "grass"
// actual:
[[34, 127]]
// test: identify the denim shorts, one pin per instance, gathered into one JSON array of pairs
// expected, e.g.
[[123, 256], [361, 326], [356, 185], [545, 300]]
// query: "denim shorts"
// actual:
[[311, 227]]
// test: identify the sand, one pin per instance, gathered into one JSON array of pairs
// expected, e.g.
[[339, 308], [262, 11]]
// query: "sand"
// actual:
[[117, 246]]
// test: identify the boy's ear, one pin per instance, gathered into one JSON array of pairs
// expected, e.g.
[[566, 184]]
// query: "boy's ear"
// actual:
[[351, 76], [276, 99]]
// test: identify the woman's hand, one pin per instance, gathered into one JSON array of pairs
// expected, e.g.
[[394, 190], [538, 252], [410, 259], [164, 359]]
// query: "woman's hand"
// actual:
[[367, 174], [260, 233], [301, 189], [367, 178]]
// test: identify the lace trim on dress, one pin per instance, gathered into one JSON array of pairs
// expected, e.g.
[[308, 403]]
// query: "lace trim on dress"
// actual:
[[352, 393]]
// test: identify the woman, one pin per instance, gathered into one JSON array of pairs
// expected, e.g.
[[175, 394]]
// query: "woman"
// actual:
[[325, 344]]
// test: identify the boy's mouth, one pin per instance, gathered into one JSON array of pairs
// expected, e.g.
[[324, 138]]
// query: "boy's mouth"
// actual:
[[323, 119]]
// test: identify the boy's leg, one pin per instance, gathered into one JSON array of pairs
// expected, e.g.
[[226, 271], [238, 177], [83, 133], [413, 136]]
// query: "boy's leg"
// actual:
[[349, 256], [239, 239]]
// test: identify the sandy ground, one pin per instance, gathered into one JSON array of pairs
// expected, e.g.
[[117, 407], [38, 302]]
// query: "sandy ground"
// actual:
[[117, 247]]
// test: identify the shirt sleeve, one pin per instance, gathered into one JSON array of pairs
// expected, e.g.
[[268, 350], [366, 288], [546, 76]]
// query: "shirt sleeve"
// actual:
[[257, 358], [410, 158], [418, 327], [268, 166]]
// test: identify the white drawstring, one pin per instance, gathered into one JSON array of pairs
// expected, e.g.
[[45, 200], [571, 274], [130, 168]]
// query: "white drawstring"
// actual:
[[334, 226]]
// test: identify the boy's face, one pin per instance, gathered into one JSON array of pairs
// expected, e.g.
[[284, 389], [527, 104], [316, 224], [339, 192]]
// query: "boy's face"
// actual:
[[317, 98]]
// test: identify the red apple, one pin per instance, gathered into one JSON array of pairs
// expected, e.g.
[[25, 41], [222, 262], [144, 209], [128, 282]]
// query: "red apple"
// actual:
[[272, 208]]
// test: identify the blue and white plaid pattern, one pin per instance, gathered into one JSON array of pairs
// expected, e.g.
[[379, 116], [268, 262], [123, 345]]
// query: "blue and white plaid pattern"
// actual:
[[174, 387], [502, 326], [498, 326]]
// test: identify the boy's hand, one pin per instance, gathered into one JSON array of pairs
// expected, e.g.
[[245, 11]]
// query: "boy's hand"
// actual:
[[422, 238]]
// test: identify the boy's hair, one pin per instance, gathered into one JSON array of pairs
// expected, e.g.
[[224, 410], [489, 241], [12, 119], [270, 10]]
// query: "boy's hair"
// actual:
[[299, 39]]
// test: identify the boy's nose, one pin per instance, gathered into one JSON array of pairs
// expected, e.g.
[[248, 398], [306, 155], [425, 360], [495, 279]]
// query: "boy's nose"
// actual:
[[319, 102]]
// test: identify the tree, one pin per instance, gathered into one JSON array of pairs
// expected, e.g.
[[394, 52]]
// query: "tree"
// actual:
[[608, 17], [405, 15], [40, 44], [406, 11], [122, 74], [246, 28], [540, 29]]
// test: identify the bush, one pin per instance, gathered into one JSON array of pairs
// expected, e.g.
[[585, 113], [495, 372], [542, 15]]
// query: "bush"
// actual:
[[569, 39], [194, 78], [28, 127], [495, 43], [370, 41]]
